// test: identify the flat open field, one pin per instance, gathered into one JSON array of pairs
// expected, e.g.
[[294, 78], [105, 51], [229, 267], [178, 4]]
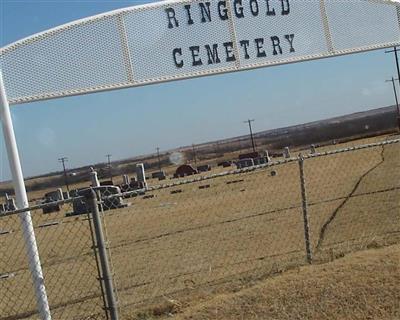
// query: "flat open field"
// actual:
[[187, 243]]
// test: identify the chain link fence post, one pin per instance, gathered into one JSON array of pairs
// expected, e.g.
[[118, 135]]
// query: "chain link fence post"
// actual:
[[105, 276], [305, 209]]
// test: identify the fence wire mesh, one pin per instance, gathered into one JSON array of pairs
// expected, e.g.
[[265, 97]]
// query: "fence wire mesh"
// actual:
[[354, 199], [193, 237], [69, 267], [205, 233]]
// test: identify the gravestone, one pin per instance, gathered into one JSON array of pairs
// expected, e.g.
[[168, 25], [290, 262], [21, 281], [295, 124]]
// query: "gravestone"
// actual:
[[245, 163], [11, 204], [125, 179], [93, 178], [140, 174], [52, 196], [224, 164], [204, 168], [268, 159], [60, 194], [286, 153], [160, 175]]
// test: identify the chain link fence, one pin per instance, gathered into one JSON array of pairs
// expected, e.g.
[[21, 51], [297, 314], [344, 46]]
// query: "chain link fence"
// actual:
[[65, 245], [194, 237]]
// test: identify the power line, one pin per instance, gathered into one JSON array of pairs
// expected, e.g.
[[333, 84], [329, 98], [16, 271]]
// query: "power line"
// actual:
[[109, 165], [249, 121], [396, 99], [395, 50], [63, 160], [159, 160], [194, 154]]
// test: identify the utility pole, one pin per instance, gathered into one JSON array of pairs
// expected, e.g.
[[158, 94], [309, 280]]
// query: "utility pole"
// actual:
[[63, 160], [159, 160], [109, 165], [395, 50], [216, 149], [249, 121], [194, 154], [396, 99]]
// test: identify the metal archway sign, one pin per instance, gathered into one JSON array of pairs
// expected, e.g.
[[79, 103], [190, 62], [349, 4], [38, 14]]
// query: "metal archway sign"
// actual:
[[182, 39], [174, 40]]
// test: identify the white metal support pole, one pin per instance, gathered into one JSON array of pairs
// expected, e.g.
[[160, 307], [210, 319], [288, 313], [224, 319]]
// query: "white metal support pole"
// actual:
[[22, 202]]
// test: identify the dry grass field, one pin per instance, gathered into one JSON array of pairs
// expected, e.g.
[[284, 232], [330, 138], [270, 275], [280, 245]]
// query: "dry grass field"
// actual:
[[362, 285], [185, 244]]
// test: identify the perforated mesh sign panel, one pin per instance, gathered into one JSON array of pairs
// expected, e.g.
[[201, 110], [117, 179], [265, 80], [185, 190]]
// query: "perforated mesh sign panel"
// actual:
[[182, 39], [153, 60], [279, 33], [367, 32]]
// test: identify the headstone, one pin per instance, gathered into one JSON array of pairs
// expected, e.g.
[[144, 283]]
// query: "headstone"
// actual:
[[109, 201], [60, 194], [140, 174], [125, 179], [286, 153], [204, 168], [93, 178], [261, 160], [51, 197], [160, 175], [224, 164], [312, 147], [11, 204], [267, 158], [245, 163]]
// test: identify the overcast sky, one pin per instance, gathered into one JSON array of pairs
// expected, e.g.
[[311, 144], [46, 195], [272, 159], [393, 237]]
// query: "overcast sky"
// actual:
[[135, 121]]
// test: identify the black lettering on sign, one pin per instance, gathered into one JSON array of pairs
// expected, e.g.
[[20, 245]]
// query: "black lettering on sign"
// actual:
[[205, 11], [171, 18], [259, 45], [237, 4], [175, 53], [276, 43], [212, 54], [285, 7], [269, 11], [254, 7], [245, 44], [230, 56], [196, 61], [289, 38], [222, 10], [190, 20]]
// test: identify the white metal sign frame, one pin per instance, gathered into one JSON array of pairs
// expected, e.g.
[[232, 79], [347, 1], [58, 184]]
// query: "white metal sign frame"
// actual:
[[173, 40]]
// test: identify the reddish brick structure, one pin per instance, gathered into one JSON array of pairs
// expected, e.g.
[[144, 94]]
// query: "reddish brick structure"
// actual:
[[185, 170]]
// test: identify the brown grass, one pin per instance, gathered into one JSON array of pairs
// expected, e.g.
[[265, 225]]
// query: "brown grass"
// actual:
[[195, 244], [362, 285]]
